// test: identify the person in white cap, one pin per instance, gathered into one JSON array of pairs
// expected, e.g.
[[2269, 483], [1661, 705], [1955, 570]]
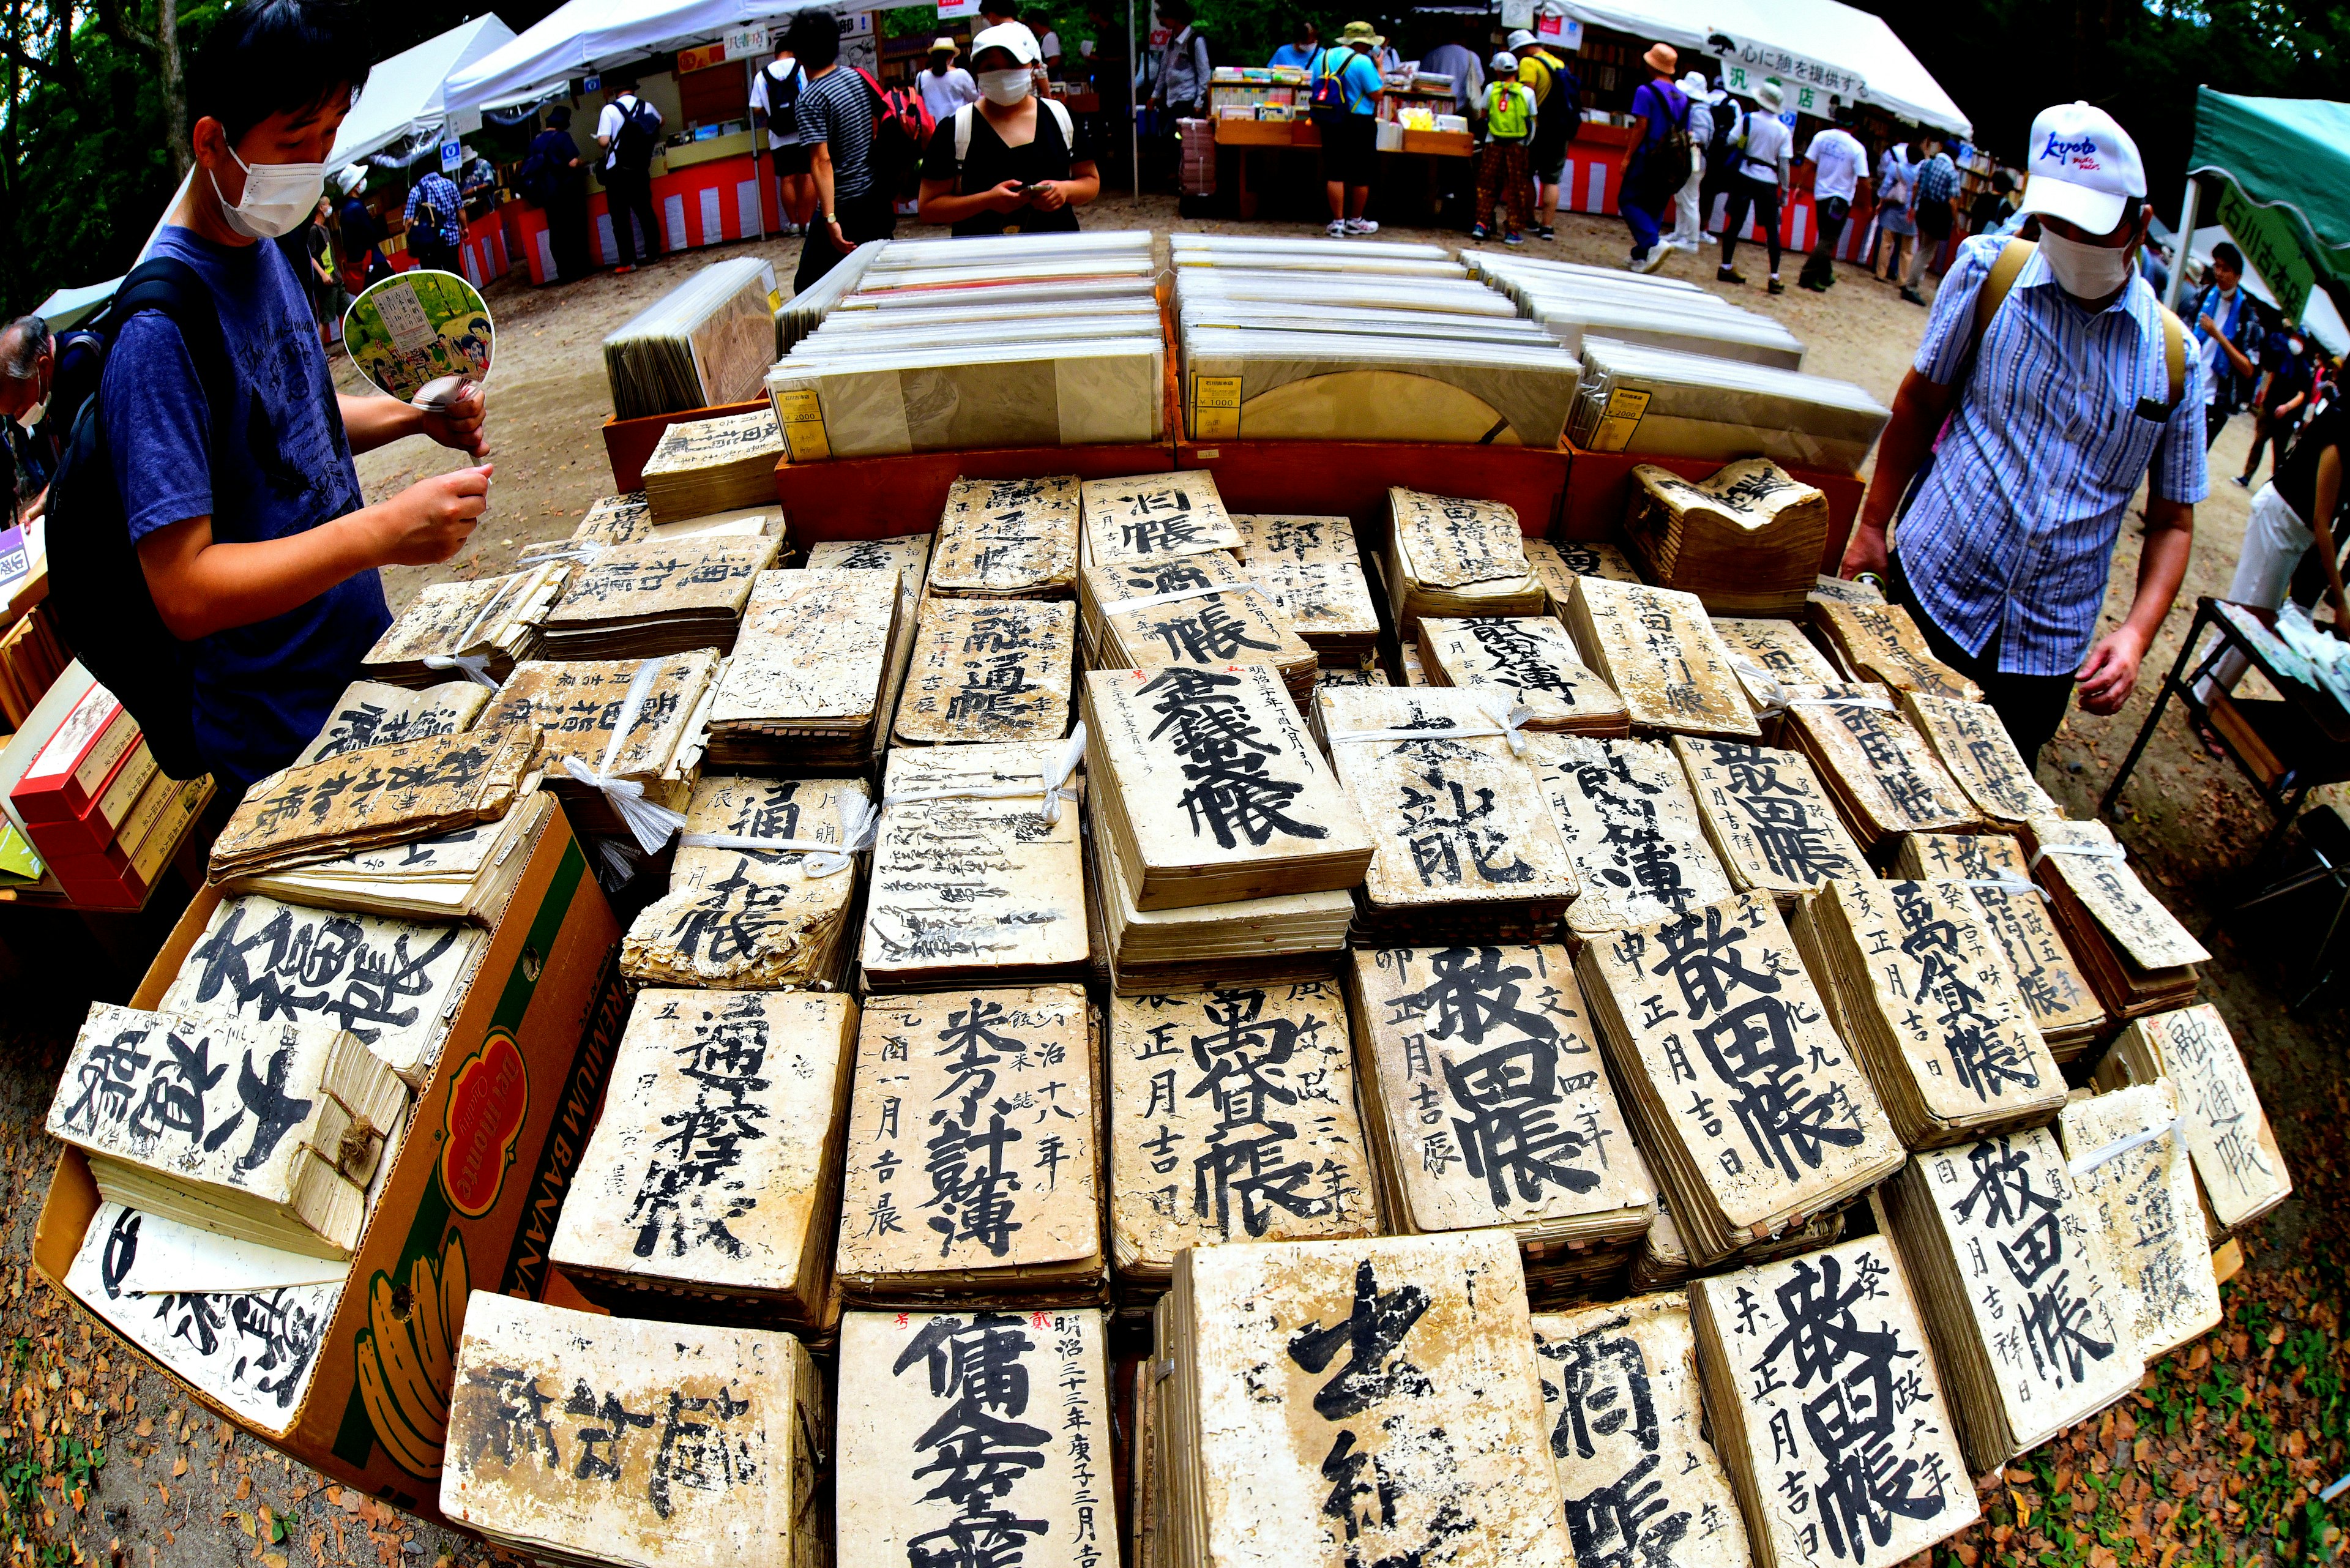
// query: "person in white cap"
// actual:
[[2051, 381], [1558, 109], [1502, 161], [1013, 161], [1762, 159], [1688, 222]]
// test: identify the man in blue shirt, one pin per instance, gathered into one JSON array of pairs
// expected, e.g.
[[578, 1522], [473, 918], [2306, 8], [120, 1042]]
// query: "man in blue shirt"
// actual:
[[2227, 333], [2054, 416], [1303, 44], [1660, 110], [258, 545], [436, 221]]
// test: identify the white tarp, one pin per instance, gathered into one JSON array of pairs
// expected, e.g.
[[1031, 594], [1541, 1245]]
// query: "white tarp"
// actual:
[[584, 36], [407, 95], [1820, 31], [72, 306]]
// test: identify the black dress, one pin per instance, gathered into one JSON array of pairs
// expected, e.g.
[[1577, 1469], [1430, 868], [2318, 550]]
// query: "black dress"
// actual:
[[990, 163]]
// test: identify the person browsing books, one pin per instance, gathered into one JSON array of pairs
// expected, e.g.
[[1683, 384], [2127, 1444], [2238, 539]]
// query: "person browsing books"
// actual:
[[1012, 162]]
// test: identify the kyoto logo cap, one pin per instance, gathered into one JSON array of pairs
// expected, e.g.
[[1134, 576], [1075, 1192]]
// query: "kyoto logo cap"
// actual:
[[2083, 168]]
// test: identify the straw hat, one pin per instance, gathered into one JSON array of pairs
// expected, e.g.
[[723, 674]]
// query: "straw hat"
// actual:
[[1663, 58], [1771, 95], [944, 46]]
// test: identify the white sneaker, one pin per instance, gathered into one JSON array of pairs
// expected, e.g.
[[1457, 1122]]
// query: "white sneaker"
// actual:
[[1338, 229], [1656, 258], [1361, 226]]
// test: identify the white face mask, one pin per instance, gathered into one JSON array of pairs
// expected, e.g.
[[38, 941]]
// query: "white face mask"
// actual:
[[278, 198], [1004, 88], [30, 419], [2084, 272]]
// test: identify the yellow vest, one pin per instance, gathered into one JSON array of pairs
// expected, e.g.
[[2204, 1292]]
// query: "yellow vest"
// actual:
[[1511, 112]]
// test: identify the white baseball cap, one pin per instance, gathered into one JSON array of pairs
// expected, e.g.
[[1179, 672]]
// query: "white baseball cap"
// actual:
[[1011, 37], [2083, 168], [1504, 62]]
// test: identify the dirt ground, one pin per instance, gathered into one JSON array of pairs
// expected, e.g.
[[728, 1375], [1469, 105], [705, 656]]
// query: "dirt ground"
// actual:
[[2217, 1459]]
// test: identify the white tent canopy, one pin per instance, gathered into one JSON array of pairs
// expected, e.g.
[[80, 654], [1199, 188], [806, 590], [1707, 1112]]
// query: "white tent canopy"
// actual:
[[407, 95], [1826, 31], [583, 36], [71, 307]]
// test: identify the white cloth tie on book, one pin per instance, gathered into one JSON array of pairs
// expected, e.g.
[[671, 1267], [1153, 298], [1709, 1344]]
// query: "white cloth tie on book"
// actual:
[[650, 824]]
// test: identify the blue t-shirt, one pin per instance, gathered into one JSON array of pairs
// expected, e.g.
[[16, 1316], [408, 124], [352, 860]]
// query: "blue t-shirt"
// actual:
[[1298, 55], [1359, 79], [263, 691], [1661, 105]]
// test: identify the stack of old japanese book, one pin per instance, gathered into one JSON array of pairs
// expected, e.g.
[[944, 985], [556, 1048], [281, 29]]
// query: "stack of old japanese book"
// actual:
[[1275, 1357], [1452, 558], [734, 1483], [1146, 516], [1663, 1259], [1656, 647], [2128, 1154], [1556, 566], [610, 722], [481, 628], [1776, 1126], [2138, 958], [1197, 1156], [1007, 539], [714, 465], [1828, 590], [708, 1188], [279, 1153], [1200, 611], [641, 601], [1746, 540], [1770, 824], [804, 687], [1969, 741], [706, 342], [1775, 1340], [1530, 659], [1772, 658], [467, 874], [1280, 937], [1998, 1249], [1486, 1105], [2238, 1168], [371, 714], [1992, 867], [1920, 991], [1000, 1207], [904, 559], [989, 669], [1624, 809], [1880, 771], [1882, 643], [978, 874], [761, 891], [1466, 847], [1311, 571]]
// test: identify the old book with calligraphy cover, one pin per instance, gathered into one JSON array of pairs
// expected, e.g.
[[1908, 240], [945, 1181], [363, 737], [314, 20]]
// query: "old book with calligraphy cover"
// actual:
[[1556, 564], [1974, 746], [1451, 556], [2237, 1161], [1327, 604], [974, 1437], [1007, 538], [1749, 1107], [494, 622], [708, 1187], [615, 520], [395, 984], [641, 601], [986, 1104], [1827, 589], [1620, 1399], [978, 874], [385, 794], [2138, 958], [909, 555], [2030, 1324], [2127, 1153], [246, 1335], [1201, 611], [263, 1132], [1299, 1371], [1466, 847], [1488, 1104], [1153, 515], [1916, 984], [989, 669], [1267, 537], [1880, 771], [1835, 1329], [1212, 790], [582, 711], [1625, 810], [1769, 820], [1663, 1257], [467, 874], [804, 688], [1881, 643], [1232, 1118], [702, 466], [371, 714], [2067, 1011], [740, 915], [1532, 660], [1746, 539], [1282, 938], [1772, 656], [583, 1438], [1656, 647]]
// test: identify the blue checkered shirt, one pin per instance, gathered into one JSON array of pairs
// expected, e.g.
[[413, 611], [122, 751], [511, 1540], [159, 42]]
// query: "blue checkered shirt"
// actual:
[[436, 189], [2012, 533], [1937, 178]]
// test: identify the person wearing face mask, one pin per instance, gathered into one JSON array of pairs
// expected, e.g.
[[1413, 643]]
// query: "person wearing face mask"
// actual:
[[1012, 162], [2050, 382], [2282, 400], [258, 548], [45, 379], [2228, 336]]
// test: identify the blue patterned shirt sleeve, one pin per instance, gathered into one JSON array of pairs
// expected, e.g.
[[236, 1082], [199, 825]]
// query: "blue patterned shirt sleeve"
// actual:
[[2179, 471], [1950, 326]]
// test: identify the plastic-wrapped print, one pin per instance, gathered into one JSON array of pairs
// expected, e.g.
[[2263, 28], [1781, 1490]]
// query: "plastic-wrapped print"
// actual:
[[1255, 384], [1668, 404], [707, 342], [951, 397]]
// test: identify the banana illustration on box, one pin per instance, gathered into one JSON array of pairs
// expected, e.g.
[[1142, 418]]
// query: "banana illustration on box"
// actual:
[[407, 1361]]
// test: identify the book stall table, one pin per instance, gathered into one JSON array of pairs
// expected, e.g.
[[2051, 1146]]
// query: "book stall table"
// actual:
[[1418, 156], [707, 193]]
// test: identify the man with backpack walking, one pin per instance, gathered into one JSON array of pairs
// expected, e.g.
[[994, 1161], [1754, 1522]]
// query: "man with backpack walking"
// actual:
[[629, 130], [843, 124], [1839, 167], [436, 221], [775, 104], [2049, 383], [1558, 109], [1763, 148], [1658, 160], [1689, 217]]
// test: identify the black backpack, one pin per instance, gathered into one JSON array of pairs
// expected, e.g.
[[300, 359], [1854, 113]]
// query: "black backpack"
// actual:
[[633, 144], [536, 178], [97, 588], [1675, 155], [783, 98]]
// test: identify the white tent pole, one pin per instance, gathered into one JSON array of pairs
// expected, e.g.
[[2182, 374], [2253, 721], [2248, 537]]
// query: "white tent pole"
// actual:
[[1133, 125], [2186, 239]]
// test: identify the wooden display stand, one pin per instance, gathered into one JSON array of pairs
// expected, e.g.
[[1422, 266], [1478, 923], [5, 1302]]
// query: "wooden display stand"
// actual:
[[1329, 477], [629, 442], [1599, 486]]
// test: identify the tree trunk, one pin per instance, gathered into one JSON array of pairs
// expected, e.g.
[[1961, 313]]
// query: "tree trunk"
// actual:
[[174, 84]]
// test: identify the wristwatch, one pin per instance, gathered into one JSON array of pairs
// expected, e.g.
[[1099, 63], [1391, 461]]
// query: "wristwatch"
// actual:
[[832, 220]]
